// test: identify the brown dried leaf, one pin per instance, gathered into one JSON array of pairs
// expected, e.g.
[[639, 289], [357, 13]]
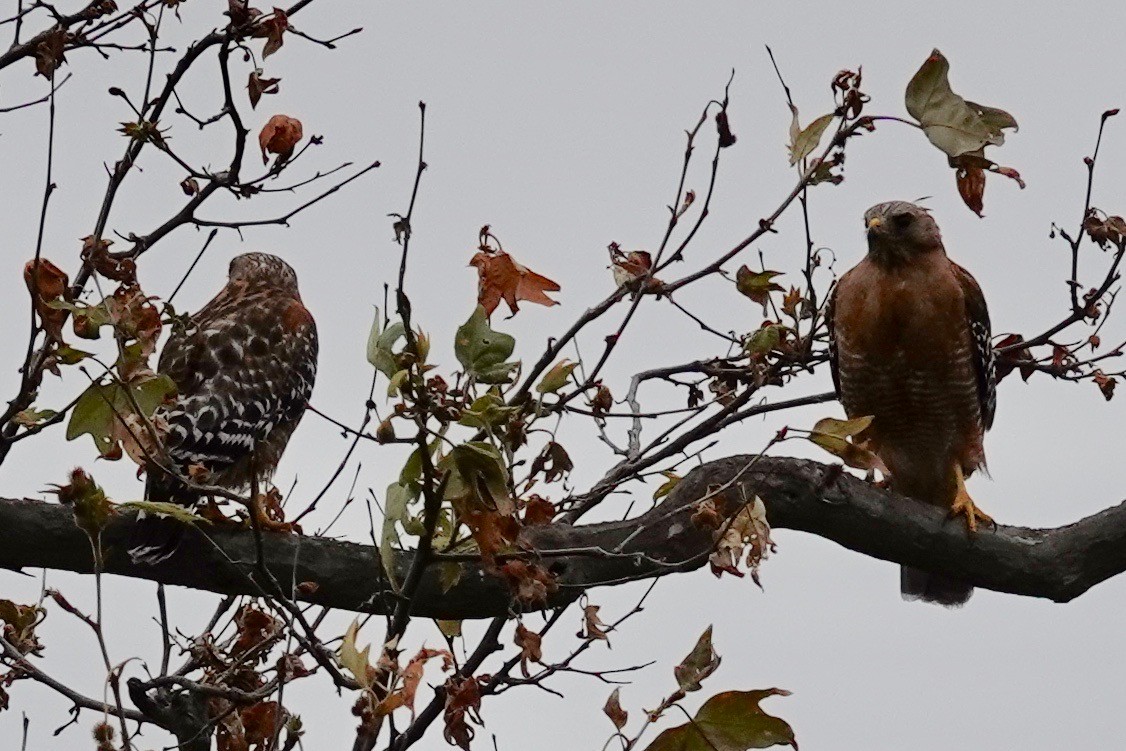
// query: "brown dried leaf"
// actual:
[[280, 136], [47, 282], [499, 277], [701, 662], [971, 187], [272, 29], [1105, 383], [530, 644], [257, 86], [593, 627], [613, 710]]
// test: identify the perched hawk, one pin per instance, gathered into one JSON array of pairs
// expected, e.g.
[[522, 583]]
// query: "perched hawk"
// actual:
[[244, 368], [910, 346]]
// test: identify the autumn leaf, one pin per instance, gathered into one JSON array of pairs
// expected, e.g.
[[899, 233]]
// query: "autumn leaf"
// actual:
[[613, 709], [959, 128], [530, 647], [257, 86], [757, 285], [804, 141], [729, 721], [747, 531], [499, 277], [19, 622], [47, 283], [49, 53], [553, 461], [672, 479], [629, 268], [832, 435], [92, 509], [1105, 383], [356, 661], [1019, 358], [701, 662], [272, 28], [463, 705], [280, 136], [593, 629]]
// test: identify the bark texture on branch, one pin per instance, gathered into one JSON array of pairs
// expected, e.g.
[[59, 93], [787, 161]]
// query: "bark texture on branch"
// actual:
[[1058, 564]]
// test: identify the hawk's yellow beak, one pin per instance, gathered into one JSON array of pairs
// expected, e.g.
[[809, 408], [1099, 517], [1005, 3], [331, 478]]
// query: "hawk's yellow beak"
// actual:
[[874, 222]]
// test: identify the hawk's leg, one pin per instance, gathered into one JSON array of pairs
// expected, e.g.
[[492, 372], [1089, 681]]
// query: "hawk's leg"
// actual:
[[260, 517], [964, 505]]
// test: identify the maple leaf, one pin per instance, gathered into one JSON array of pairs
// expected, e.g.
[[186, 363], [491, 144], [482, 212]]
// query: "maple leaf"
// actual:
[[272, 29], [499, 277], [280, 136], [530, 647], [257, 86], [757, 285], [47, 282], [629, 268]]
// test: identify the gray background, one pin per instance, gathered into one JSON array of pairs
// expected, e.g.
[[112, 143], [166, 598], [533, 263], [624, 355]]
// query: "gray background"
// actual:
[[561, 125]]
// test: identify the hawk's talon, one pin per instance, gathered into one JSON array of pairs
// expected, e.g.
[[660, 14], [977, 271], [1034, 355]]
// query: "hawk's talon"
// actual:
[[964, 506]]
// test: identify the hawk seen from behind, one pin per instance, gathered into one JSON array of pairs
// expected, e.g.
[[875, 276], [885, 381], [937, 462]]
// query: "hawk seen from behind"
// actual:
[[910, 345], [244, 368]]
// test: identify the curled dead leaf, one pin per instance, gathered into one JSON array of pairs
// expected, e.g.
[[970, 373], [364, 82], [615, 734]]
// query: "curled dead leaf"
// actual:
[[280, 136]]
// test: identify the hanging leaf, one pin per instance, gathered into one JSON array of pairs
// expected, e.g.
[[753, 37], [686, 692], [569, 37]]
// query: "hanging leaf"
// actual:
[[833, 435], [557, 377], [499, 277], [803, 142], [355, 661], [757, 285], [701, 662], [484, 352], [394, 511], [729, 721]]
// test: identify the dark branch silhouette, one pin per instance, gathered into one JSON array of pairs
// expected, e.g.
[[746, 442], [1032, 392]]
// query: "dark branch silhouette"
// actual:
[[1057, 564]]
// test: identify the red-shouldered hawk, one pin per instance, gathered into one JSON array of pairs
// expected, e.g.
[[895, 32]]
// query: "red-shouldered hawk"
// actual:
[[244, 368], [910, 345]]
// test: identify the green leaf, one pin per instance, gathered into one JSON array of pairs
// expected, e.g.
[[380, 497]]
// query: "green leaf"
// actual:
[[394, 511], [832, 435], [477, 472], [68, 355], [97, 408], [803, 142], [729, 721], [381, 345], [355, 661], [764, 340], [31, 417], [757, 285], [397, 382], [701, 662], [951, 123], [449, 629], [175, 511], [484, 352], [557, 377], [671, 481], [487, 412]]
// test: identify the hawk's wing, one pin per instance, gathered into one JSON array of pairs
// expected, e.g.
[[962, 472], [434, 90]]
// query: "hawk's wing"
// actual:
[[981, 335], [240, 372], [830, 323]]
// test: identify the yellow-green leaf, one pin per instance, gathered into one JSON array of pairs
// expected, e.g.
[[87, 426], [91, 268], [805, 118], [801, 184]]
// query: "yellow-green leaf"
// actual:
[[671, 480], [951, 123], [354, 660], [482, 351], [729, 721], [175, 511], [557, 377], [803, 142], [757, 285], [701, 662]]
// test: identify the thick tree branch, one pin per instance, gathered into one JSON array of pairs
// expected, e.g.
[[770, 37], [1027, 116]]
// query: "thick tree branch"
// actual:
[[1058, 564]]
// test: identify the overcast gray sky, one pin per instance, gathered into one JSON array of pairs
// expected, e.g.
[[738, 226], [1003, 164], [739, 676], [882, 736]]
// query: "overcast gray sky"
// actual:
[[561, 125]]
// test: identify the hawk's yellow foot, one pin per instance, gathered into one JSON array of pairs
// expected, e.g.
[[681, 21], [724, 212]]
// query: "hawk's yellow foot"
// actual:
[[964, 506]]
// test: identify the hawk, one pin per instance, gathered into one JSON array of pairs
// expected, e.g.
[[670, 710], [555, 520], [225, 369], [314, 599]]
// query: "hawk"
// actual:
[[244, 368], [910, 345]]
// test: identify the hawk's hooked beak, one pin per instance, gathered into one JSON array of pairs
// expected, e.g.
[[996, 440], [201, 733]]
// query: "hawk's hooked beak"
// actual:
[[874, 222]]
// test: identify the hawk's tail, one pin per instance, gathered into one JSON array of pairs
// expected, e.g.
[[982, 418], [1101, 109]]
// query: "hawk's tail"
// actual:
[[916, 584], [156, 538]]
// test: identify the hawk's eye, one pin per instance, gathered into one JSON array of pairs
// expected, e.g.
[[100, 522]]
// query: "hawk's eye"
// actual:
[[902, 221]]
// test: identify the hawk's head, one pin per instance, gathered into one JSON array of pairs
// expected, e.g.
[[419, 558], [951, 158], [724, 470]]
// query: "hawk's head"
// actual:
[[254, 269], [899, 231]]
